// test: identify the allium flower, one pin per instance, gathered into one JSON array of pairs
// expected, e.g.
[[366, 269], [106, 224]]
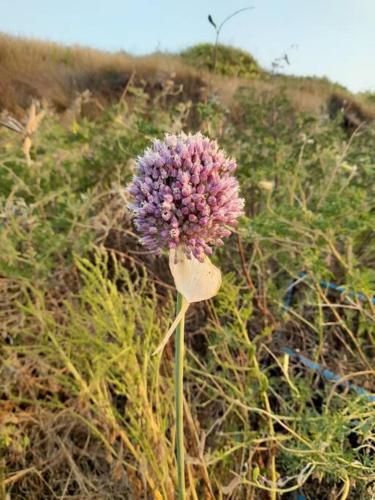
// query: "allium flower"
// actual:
[[184, 194]]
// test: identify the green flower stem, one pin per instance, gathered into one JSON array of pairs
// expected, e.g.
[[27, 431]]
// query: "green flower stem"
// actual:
[[179, 388]]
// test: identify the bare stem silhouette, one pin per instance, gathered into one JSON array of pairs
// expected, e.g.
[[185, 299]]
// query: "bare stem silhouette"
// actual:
[[218, 30]]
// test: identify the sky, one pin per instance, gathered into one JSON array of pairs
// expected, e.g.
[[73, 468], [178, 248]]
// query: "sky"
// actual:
[[332, 38]]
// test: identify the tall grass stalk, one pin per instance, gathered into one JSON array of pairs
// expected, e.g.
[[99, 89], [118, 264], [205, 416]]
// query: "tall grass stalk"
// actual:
[[179, 387]]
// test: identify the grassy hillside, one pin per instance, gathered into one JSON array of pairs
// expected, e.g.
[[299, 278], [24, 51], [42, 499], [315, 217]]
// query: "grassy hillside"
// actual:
[[57, 75], [85, 410]]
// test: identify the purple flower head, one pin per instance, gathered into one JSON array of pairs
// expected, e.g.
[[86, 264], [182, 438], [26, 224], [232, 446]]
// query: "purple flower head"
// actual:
[[184, 193]]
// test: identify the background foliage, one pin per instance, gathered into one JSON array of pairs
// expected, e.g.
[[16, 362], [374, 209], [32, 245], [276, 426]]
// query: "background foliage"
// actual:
[[86, 411]]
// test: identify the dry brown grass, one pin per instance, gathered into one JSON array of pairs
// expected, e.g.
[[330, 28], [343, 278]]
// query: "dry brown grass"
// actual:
[[57, 75]]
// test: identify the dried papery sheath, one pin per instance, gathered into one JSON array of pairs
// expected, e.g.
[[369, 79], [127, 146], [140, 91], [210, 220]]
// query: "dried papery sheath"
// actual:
[[195, 280], [184, 195]]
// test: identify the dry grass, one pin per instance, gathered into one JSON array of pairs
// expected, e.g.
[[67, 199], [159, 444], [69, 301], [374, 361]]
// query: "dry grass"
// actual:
[[57, 75]]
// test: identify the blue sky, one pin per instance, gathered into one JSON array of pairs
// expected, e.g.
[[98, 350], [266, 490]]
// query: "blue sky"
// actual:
[[334, 38]]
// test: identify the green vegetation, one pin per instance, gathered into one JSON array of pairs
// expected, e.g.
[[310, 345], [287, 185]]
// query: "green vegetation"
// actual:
[[368, 97], [229, 62], [86, 411]]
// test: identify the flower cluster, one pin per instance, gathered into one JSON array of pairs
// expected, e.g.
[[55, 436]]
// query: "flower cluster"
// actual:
[[184, 193]]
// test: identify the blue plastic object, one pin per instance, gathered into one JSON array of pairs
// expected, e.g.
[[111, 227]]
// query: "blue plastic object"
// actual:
[[328, 374], [312, 365], [324, 284]]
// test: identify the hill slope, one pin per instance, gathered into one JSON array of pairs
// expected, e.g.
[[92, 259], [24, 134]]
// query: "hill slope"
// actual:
[[58, 74]]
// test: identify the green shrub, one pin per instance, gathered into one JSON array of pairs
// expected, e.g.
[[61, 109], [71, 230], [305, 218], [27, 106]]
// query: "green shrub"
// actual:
[[230, 60]]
